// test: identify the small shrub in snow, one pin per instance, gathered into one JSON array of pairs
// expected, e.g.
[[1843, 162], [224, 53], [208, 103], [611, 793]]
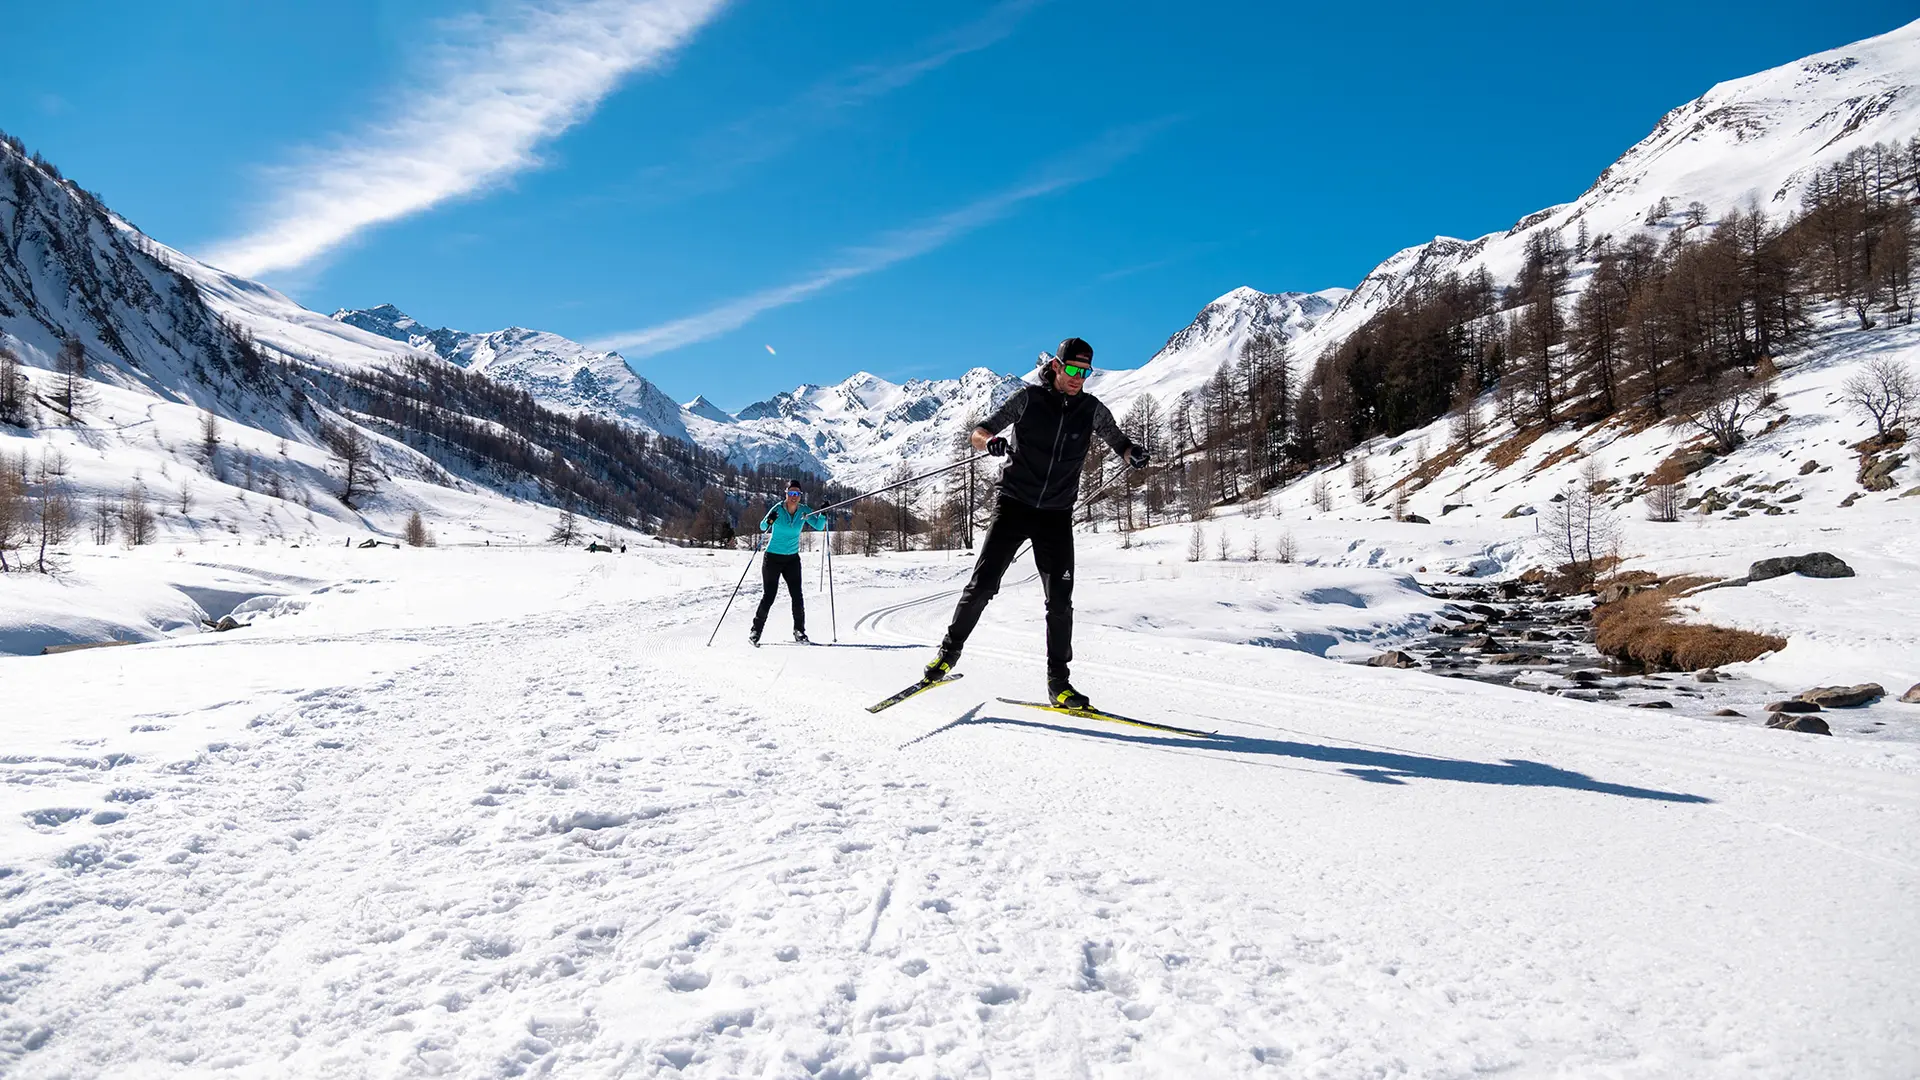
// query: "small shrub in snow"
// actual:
[[416, 532], [1286, 549], [13, 516], [1196, 544], [567, 529], [103, 524], [1580, 531], [1882, 391], [1322, 495], [1663, 501], [1226, 546], [209, 438], [1253, 547], [1723, 409], [1361, 475]]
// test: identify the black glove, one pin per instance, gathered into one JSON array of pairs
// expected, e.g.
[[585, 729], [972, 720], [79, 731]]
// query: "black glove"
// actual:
[[1137, 457], [997, 446]]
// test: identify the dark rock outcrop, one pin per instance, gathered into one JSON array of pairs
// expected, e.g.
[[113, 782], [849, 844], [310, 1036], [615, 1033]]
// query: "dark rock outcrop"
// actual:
[[1812, 725], [1842, 697], [1393, 659], [1792, 707], [1819, 564]]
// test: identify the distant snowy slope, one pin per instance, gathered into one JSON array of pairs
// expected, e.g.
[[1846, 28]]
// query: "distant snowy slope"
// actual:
[[865, 427], [565, 375], [1216, 336]]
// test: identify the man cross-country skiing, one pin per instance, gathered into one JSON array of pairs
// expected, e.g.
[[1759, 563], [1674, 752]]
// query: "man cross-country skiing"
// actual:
[[1052, 424], [785, 522]]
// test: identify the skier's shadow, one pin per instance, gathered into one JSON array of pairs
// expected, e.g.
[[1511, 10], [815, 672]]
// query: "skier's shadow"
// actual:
[[1361, 763], [840, 645]]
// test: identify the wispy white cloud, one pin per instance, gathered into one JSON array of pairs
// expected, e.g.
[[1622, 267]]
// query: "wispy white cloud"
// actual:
[[510, 82], [718, 157], [1078, 167]]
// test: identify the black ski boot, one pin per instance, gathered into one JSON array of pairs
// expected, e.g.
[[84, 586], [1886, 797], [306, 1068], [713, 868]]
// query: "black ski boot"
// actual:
[[939, 666], [754, 637], [1061, 693], [800, 638]]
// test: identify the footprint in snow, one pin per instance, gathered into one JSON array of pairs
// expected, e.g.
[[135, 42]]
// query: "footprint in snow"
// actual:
[[688, 981], [998, 995]]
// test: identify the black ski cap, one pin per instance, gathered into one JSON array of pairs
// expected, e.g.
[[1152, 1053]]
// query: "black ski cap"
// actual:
[[1074, 349]]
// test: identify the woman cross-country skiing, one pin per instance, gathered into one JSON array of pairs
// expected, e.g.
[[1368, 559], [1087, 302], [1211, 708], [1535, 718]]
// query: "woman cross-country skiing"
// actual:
[[1052, 424], [785, 521]]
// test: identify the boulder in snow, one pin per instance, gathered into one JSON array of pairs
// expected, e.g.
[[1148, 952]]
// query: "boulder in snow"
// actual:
[[1912, 696], [1615, 593], [1393, 659], [1792, 706], [1819, 564], [1842, 697], [1812, 725]]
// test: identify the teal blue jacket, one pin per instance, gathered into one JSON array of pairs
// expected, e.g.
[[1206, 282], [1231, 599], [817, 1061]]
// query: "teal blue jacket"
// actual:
[[786, 528]]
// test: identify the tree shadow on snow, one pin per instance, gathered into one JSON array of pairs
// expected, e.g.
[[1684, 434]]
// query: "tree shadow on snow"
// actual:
[[1373, 766]]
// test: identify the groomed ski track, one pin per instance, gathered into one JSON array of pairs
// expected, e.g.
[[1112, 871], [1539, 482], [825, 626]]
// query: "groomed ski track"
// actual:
[[580, 844]]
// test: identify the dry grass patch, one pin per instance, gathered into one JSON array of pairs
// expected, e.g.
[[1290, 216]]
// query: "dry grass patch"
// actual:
[[1570, 450], [1505, 454], [1644, 627]]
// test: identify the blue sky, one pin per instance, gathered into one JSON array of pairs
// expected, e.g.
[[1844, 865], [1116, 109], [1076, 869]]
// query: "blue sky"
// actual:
[[911, 189]]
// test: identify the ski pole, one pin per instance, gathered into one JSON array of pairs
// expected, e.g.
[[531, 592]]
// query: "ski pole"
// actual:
[[901, 483], [736, 589], [833, 614]]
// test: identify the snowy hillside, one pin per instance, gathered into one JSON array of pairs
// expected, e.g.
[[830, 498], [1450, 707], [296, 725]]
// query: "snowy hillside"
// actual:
[[147, 386], [1753, 140]]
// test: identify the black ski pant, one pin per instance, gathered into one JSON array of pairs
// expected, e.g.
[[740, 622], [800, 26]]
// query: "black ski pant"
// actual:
[[1052, 534], [772, 569]]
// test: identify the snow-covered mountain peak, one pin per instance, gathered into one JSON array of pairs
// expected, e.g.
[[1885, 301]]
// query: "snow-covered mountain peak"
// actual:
[[705, 409], [1754, 139], [1216, 336]]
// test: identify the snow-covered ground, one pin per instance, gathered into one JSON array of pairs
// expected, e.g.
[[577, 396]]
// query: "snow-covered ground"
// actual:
[[492, 812]]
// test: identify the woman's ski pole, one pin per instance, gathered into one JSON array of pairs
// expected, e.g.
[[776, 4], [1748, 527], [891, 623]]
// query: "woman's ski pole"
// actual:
[[832, 613], [736, 588]]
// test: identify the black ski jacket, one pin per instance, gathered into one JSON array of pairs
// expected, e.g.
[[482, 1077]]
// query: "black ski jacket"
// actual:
[[1048, 443]]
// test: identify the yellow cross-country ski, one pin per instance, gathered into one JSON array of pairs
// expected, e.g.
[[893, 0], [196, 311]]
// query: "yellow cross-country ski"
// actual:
[[1116, 718], [924, 684]]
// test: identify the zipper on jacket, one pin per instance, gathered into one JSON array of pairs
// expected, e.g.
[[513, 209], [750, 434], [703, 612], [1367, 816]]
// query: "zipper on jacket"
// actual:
[[1059, 430]]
